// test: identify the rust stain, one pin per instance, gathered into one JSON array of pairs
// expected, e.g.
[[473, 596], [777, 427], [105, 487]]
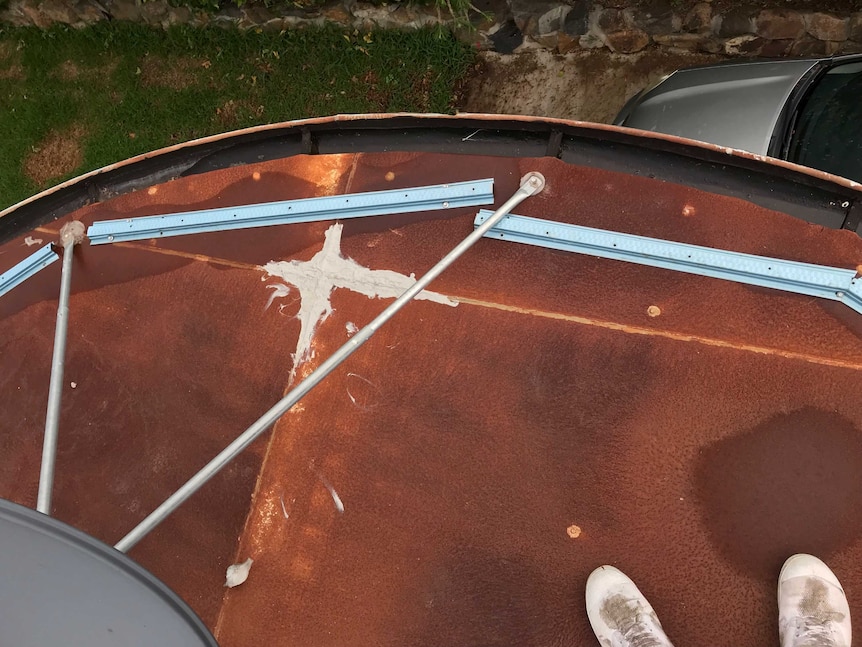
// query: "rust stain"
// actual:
[[468, 462]]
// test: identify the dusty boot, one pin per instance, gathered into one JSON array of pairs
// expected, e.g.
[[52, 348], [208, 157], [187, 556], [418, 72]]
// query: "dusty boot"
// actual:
[[812, 608], [619, 613]]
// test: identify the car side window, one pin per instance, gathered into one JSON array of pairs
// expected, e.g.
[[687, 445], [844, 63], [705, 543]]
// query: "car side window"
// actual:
[[828, 133]]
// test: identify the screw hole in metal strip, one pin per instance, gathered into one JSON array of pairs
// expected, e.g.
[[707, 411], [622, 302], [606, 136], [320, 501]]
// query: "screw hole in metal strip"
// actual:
[[837, 284], [354, 205], [27, 268]]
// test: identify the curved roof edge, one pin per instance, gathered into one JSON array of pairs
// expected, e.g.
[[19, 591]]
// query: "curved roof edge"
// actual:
[[802, 192]]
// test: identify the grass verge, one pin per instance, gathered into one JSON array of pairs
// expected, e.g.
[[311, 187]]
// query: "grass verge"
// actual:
[[75, 100]]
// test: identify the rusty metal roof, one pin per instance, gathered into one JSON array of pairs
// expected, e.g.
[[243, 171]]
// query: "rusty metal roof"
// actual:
[[569, 411]]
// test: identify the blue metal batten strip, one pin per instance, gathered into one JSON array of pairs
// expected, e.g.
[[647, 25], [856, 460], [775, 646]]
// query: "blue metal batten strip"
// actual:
[[833, 283], [26, 268], [354, 205]]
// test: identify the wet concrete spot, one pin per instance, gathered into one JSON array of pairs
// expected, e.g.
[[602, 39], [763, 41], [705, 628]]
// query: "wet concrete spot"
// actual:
[[791, 484]]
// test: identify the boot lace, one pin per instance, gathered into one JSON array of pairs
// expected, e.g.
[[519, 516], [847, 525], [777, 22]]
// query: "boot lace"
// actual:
[[810, 632], [634, 628]]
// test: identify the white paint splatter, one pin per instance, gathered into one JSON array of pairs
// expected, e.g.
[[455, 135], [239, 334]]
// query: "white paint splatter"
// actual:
[[335, 498], [284, 508], [279, 290], [238, 573], [30, 241], [352, 328], [317, 278]]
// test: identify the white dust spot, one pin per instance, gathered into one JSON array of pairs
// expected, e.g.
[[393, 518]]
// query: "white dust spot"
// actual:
[[238, 573]]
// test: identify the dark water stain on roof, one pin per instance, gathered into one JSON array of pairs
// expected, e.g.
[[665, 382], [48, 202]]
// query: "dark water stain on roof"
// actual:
[[792, 484]]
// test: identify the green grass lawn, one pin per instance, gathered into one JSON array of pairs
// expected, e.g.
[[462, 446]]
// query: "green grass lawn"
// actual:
[[74, 100]]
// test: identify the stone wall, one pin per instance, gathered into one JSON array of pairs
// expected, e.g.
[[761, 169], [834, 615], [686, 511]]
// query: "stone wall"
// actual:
[[511, 26]]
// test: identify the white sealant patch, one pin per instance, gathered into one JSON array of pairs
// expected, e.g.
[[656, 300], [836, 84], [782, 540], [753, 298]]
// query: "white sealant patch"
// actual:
[[317, 278]]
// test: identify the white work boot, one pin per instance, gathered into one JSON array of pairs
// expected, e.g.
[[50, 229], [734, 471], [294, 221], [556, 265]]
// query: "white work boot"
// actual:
[[812, 608], [619, 613]]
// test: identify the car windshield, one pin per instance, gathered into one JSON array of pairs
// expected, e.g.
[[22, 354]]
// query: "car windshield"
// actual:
[[828, 134]]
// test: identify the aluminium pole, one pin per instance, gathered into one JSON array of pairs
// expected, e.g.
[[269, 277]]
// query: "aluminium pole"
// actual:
[[71, 234], [531, 184]]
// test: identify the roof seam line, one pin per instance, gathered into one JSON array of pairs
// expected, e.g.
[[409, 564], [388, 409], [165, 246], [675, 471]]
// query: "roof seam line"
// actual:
[[666, 334]]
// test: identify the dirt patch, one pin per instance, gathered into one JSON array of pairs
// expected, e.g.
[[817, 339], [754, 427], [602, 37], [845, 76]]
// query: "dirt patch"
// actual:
[[378, 94], [235, 112], [584, 86], [69, 72], [10, 62], [58, 154], [175, 73], [421, 93]]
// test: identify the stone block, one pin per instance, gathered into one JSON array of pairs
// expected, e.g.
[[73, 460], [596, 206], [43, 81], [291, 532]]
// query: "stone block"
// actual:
[[56, 11], [529, 45], [825, 26], [417, 16], [627, 41], [507, 38], [256, 14], [744, 45], [854, 27], [273, 25], [699, 18], [374, 15], [776, 48], [199, 19], [125, 10], [566, 43], [779, 25], [548, 41], [473, 38], [14, 16], [552, 20], [590, 41], [178, 16], [712, 45], [577, 20], [154, 12], [656, 17], [808, 47], [851, 47], [737, 22], [682, 42], [88, 14], [611, 20], [537, 18], [337, 14], [34, 16]]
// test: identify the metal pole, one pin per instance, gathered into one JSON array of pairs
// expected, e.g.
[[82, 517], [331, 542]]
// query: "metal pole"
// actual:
[[530, 184], [71, 234]]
